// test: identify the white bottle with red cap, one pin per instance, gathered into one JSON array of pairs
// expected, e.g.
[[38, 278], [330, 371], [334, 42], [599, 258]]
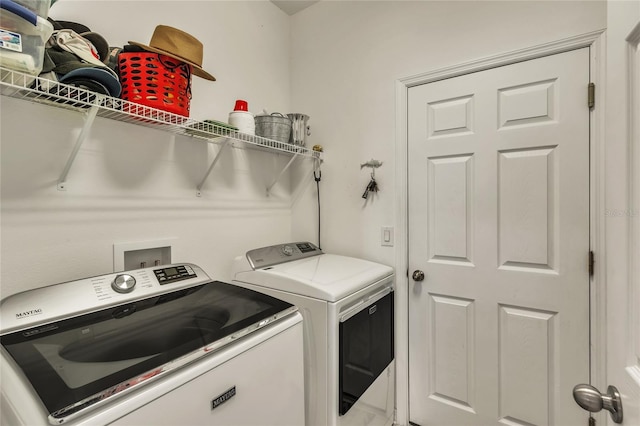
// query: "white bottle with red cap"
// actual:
[[241, 118]]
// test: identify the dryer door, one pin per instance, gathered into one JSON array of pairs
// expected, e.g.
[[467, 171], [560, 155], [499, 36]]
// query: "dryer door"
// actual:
[[366, 349]]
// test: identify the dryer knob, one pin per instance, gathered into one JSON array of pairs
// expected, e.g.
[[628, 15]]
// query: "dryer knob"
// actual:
[[123, 283], [287, 250]]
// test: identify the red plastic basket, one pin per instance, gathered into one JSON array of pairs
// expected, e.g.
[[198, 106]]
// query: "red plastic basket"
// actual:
[[155, 80]]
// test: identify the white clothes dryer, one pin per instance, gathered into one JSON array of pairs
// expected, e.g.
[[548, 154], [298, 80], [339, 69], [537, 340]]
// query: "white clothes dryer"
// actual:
[[347, 305]]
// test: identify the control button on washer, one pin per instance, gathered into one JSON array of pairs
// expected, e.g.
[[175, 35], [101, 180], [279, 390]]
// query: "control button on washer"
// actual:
[[123, 283]]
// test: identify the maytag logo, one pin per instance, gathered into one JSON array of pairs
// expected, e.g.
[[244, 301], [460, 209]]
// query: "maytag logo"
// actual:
[[223, 398], [26, 314]]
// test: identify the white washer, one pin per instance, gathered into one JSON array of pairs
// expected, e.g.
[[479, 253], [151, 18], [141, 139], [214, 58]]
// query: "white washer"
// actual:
[[347, 305], [155, 346]]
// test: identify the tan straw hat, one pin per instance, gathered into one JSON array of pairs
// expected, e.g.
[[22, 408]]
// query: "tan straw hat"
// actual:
[[179, 45]]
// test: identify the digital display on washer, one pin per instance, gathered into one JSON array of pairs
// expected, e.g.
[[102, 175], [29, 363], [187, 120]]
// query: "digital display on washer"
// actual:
[[71, 360], [174, 273]]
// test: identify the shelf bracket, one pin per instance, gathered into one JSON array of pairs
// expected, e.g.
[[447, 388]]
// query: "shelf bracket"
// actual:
[[213, 164], [281, 173], [88, 122]]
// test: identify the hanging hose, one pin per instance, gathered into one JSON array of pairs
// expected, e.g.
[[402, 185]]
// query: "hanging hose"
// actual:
[[317, 175]]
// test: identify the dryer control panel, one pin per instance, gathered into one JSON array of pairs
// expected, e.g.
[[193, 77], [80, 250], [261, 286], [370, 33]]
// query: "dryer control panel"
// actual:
[[268, 256]]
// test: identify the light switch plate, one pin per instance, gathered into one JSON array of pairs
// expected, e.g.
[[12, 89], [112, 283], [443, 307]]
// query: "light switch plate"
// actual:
[[386, 236]]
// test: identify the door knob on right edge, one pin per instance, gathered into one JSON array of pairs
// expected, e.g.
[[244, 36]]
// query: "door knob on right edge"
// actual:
[[590, 398], [417, 275]]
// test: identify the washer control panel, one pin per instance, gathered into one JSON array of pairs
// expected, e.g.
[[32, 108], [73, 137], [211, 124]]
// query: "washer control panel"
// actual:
[[174, 273], [63, 300], [273, 255]]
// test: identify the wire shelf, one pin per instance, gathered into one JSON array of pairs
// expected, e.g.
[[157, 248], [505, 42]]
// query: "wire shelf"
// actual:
[[35, 89]]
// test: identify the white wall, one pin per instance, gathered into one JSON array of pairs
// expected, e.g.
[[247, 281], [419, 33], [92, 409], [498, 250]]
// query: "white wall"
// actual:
[[344, 60], [131, 183], [346, 57], [336, 61]]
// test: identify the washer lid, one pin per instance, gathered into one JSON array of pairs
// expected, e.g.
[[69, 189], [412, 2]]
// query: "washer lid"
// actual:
[[327, 277], [81, 362]]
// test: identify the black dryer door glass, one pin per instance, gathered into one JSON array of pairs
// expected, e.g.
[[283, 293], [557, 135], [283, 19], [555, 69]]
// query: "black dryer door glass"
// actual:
[[366, 349]]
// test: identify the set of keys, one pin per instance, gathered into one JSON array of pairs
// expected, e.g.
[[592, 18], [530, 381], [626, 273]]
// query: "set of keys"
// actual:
[[371, 187]]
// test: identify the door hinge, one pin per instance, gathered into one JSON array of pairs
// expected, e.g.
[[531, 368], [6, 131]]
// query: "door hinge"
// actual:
[[591, 95], [592, 261]]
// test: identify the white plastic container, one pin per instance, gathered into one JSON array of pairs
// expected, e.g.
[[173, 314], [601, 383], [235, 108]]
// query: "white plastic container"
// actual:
[[244, 121], [22, 43], [39, 7]]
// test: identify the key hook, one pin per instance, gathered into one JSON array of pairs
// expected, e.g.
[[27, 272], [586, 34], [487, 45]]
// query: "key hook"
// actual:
[[372, 164], [373, 185]]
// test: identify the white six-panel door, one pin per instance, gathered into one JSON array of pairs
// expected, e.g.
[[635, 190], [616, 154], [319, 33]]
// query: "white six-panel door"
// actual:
[[498, 176]]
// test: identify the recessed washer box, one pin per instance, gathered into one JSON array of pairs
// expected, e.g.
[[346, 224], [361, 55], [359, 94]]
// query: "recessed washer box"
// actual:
[[141, 254]]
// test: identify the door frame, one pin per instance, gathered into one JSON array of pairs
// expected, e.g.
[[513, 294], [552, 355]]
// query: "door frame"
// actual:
[[596, 42], [633, 60]]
